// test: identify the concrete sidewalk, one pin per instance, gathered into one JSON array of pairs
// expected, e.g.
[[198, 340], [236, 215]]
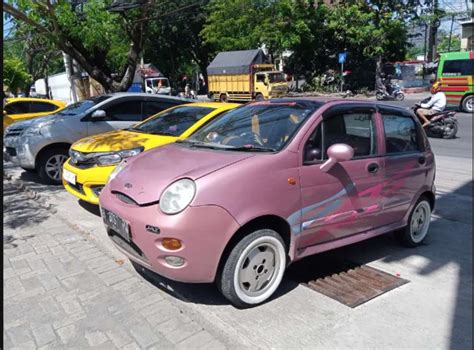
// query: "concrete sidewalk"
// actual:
[[434, 310]]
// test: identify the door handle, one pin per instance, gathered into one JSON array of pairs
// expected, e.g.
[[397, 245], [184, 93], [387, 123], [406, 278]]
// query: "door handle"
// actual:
[[372, 168], [422, 160]]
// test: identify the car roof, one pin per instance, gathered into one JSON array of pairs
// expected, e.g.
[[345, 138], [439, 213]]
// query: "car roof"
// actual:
[[33, 99], [143, 94], [337, 101], [216, 105]]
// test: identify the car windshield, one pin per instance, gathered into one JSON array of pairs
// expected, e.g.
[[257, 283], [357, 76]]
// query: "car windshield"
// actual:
[[173, 121], [260, 126], [276, 77], [83, 106]]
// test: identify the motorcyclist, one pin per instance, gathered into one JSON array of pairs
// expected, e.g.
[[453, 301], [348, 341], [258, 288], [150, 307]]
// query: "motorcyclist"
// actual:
[[436, 104], [387, 82]]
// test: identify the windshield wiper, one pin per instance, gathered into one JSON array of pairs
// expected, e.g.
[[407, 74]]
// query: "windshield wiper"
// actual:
[[251, 148]]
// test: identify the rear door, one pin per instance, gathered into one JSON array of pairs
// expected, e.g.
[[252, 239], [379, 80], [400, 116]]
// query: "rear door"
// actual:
[[406, 162], [344, 200]]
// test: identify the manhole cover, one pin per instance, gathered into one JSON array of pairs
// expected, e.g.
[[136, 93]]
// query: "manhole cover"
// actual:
[[356, 285]]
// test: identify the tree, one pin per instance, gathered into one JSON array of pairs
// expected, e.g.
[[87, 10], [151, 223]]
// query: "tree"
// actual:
[[107, 46], [444, 44], [180, 48], [15, 76]]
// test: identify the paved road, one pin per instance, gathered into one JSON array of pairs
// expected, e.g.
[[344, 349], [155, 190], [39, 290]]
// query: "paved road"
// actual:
[[434, 310]]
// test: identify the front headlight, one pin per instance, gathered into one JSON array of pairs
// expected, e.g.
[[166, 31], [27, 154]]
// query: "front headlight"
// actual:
[[177, 196], [35, 130], [117, 169], [117, 157]]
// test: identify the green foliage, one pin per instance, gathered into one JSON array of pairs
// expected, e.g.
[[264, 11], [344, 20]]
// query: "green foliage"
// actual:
[[443, 42], [15, 76]]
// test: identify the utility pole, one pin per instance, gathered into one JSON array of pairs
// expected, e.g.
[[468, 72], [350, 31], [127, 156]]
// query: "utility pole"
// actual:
[[451, 32], [434, 25], [70, 75]]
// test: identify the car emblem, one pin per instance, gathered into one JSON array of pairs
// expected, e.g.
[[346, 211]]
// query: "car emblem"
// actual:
[[128, 185]]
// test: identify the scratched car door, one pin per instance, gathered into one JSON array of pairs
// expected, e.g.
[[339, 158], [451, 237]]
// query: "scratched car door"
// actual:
[[345, 200]]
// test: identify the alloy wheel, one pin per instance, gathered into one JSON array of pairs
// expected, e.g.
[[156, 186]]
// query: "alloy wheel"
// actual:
[[420, 221], [54, 166]]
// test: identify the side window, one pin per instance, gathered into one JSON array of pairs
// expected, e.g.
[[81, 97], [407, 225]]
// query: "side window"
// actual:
[[261, 78], [125, 111], [458, 67], [401, 134], [153, 107], [18, 108], [38, 107], [355, 129]]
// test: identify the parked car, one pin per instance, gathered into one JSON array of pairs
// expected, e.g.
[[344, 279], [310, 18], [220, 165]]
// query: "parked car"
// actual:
[[270, 183], [92, 159], [22, 108], [42, 144]]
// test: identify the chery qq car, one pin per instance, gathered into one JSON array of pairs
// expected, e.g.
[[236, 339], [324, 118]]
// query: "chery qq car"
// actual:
[[267, 184]]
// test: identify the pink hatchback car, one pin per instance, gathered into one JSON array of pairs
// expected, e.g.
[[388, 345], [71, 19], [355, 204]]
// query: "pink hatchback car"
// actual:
[[267, 184]]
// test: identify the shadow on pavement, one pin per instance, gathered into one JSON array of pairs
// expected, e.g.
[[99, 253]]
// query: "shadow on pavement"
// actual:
[[91, 208]]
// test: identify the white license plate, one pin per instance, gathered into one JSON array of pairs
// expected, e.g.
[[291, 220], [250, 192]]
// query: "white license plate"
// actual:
[[116, 223], [69, 177]]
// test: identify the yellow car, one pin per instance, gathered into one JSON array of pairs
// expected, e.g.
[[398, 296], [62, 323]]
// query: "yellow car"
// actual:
[[93, 158], [21, 108]]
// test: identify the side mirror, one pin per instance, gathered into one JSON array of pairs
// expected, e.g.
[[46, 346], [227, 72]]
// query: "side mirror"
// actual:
[[98, 113], [339, 152]]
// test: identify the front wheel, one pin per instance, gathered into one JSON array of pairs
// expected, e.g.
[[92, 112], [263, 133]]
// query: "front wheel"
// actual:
[[50, 165], [259, 97], [254, 269], [468, 104], [418, 224], [450, 130]]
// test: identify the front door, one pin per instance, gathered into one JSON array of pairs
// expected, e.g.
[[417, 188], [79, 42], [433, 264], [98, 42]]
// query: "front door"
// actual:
[[119, 115], [344, 200]]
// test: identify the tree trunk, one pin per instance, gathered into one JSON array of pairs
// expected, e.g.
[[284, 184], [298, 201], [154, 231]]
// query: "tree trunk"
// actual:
[[378, 74]]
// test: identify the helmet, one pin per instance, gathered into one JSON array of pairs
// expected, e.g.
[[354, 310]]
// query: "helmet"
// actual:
[[435, 87]]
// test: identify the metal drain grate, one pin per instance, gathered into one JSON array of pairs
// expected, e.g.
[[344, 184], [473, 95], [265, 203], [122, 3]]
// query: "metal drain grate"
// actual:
[[357, 285]]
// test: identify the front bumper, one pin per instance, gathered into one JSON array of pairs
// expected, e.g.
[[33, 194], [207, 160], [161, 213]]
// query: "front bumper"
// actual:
[[89, 182], [21, 152], [204, 232]]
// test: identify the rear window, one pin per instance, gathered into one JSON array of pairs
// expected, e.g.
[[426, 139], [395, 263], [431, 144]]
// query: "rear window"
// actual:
[[38, 107], [458, 67]]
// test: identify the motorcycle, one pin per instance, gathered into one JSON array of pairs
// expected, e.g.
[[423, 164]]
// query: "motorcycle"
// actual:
[[395, 94], [188, 93], [442, 125]]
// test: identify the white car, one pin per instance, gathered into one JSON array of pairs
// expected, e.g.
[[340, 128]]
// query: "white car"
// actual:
[[42, 144]]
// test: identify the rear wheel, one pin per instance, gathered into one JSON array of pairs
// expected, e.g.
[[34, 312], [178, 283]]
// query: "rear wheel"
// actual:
[[224, 98], [418, 224], [254, 268], [50, 165], [379, 96], [468, 104]]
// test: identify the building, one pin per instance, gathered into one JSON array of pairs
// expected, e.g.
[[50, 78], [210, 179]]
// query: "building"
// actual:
[[467, 35]]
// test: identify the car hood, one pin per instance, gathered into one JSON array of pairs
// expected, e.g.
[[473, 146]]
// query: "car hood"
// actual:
[[118, 140], [148, 174], [32, 122]]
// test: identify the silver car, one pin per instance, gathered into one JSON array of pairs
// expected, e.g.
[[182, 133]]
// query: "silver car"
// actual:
[[42, 144]]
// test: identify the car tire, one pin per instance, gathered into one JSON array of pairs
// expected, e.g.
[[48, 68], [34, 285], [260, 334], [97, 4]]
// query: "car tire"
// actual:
[[223, 98], [416, 230], [259, 255], [49, 165], [468, 104]]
